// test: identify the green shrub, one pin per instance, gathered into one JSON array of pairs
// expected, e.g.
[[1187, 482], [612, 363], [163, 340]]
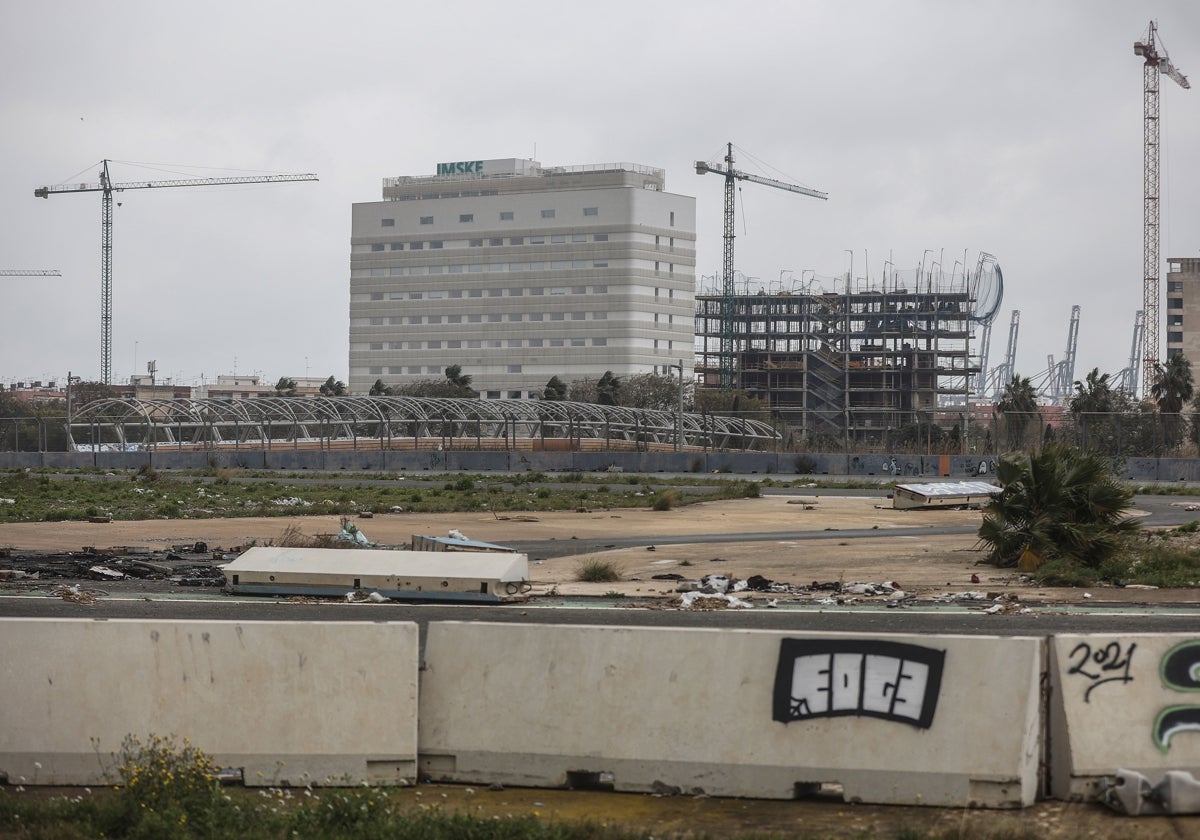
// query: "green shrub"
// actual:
[[597, 571], [543, 493], [805, 464], [665, 500]]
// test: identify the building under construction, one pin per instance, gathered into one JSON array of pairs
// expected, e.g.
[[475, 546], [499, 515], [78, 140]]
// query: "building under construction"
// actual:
[[853, 364]]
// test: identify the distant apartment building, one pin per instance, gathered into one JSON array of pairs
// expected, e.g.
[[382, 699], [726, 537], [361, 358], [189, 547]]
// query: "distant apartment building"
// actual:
[[518, 272], [1183, 309]]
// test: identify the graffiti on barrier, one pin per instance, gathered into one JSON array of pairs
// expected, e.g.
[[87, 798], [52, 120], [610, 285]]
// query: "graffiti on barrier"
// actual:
[[1101, 665], [865, 678], [1180, 670]]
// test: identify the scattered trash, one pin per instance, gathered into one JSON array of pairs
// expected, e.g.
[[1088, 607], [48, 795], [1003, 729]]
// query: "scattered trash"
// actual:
[[456, 534], [351, 534], [104, 573], [706, 601], [74, 594]]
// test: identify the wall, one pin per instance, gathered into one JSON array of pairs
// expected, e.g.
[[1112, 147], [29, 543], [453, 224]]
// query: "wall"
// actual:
[[907, 719], [283, 700]]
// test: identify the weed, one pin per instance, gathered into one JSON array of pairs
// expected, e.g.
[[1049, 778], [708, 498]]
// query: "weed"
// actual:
[[665, 500], [612, 593], [597, 571]]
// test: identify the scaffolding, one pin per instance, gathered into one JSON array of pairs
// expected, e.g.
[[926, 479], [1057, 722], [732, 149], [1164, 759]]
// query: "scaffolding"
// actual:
[[853, 365]]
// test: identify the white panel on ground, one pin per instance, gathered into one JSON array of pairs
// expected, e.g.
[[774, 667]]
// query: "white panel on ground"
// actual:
[[283, 701], [1122, 702], [936, 720]]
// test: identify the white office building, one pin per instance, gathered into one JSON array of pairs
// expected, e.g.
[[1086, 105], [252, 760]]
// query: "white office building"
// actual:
[[519, 272]]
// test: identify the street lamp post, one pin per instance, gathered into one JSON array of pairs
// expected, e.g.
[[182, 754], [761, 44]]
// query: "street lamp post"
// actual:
[[679, 417]]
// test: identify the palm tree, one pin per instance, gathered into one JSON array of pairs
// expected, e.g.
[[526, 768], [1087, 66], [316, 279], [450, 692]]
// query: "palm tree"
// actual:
[[1058, 504], [1018, 405], [1094, 400], [1172, 388], [286, 386], [555, 390], [333, 388], [608, 389], [380, 389], [459, 381]]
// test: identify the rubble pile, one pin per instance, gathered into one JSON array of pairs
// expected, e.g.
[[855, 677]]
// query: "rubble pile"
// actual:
[[194, 564]]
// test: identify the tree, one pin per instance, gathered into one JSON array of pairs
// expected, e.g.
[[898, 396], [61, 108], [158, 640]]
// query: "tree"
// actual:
[[608, 389], [380, 389], [333, 388], [1092, 404], [1172, 389], [286, 386], [1018, 406], [652, 390], [459, 382], [555, 390], [1058, 504]]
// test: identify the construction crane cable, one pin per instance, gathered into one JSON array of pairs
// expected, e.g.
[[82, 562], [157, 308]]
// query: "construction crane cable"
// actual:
[[764, 165]]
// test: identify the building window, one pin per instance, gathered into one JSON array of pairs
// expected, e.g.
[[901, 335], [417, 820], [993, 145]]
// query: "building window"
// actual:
[[599, 342], [514, 316], [437, 243], [416, 246], [537, 240], [473, 344], [535, 342], [376, 345], [1174, 338], [435, 345], [376, 370], [389, 222], [493, 395], [475, 243], [1174, 303], [579, 290], [672, 218], [599, 290], [495, 242], [577, 342], [578, 263], [376, 322], [591, 211], [579, 237], [377, 247], [474, 319], [466, 217], [475, 268], [578, 316], [514, 368], [558, 238], [514, 342], [1174, 285], [493, 318], [517, 240], [556, 342], [427, 220], [456, 269], [506, 215], [558, 316], [600, 237], [558, 290], [599, 263], [547, 214], [376, 295], [397, 246]]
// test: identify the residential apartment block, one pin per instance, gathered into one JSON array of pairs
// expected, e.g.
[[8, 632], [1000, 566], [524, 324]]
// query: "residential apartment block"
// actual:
[[1183, 309], [519, 272]]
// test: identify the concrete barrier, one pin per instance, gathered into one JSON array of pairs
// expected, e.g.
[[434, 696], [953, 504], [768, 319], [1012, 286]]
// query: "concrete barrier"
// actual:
[[1122, 702], [947, 720], [284, 701]]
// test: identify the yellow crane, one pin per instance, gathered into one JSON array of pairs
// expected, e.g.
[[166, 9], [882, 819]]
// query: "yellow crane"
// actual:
[[732, 176], [106, 188]]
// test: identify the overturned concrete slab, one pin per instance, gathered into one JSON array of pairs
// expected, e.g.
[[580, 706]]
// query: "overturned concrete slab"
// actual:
[[407, 575]]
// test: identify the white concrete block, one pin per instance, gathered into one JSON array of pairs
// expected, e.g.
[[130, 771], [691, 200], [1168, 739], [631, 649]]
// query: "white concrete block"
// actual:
[[1122, 701], [292, 701], [948, 720]]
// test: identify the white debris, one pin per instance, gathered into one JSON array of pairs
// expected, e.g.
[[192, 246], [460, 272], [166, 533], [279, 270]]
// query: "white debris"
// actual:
[[1087, 594], [688, 600], [456, 534], [8, 501], [291, 501], [716, 583]]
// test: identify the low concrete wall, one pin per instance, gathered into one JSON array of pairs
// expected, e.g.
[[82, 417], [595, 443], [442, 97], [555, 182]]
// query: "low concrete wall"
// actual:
[[1122, 702], [292, 701], [948, 721]]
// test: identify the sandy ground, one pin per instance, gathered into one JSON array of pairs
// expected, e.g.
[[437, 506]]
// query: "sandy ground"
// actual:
[[923, 564]]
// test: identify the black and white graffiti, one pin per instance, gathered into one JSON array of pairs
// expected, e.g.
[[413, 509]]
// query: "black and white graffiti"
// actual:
[[1181, 672], [862, 677], [1102, 664]]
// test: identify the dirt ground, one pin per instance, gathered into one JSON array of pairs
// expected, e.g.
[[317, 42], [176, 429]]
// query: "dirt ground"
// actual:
[[925, 565]]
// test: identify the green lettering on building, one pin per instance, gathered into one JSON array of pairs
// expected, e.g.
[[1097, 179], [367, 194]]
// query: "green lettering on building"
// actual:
[[461, 167]]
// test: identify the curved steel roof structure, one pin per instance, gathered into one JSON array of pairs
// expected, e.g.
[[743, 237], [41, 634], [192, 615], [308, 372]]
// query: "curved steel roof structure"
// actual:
[[401, 422]]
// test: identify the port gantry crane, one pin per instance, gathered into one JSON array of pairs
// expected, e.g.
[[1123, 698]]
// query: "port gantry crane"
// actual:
[[1156, 64], [731, 176], [106, 187], [1128, 378]]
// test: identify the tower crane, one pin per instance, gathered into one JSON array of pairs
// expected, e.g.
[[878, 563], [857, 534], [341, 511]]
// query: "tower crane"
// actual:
[[106, 188], [20, 272], [1156, 64], [727, 291]]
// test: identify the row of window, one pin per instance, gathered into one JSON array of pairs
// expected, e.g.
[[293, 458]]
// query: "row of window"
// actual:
[[495, 344], [491, 318], [494, 292], [505, 216], [435, 244], [488, 268]]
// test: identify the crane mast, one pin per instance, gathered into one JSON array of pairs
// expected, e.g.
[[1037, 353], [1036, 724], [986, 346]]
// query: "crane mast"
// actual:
[[728, 379], [1156, 64], [106, 188]]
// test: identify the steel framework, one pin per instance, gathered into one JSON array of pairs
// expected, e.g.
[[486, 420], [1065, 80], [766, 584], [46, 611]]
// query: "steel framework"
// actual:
[[402, 423]]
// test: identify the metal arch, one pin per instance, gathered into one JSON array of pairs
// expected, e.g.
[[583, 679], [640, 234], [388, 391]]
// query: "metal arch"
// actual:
[[130, 422]]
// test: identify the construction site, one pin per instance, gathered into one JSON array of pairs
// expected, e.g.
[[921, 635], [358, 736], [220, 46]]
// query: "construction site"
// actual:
[[855, 363]]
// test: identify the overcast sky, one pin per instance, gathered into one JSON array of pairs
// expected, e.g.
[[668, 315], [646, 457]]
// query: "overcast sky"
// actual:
[[1009, 127]]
